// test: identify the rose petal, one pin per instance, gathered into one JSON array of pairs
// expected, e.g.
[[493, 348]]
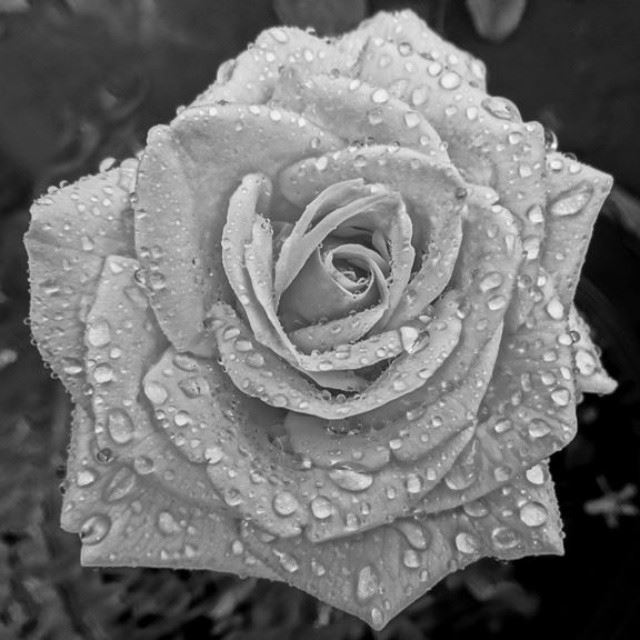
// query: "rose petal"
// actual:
[[384, 570], [124, 519], [405, 437], [120, 323], [71, 232], [529, 410], [575, 194], [278, 384], [410, 34], [591, 376], [187, 174], [412, 175], [486, 139], [315, 296], [357, 112], [253, 286], [238, 437], [251, 77]]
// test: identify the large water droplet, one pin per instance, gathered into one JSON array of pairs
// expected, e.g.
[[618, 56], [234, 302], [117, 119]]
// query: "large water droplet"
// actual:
[[367, 584], [156, 393], [585, 363], [99, 333], [120, 426], [416, 535], [94, 529], [86, 477], [467, 543], [538, 428], [213, 454], [167, 524], [450, 80], [533, 514], [121, 485], [103, 373], [504, 538], [571, 202], [285, 503], [350, 479], [411, 559], [321, 507]]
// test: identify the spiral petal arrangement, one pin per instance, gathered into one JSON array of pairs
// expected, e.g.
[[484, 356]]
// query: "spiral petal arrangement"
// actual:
[[322, 329]]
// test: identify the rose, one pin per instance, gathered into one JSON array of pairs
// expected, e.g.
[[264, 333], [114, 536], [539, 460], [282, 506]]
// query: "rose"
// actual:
[[322, 330]]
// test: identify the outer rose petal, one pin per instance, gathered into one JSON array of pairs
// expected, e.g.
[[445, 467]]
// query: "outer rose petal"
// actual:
[[575, 194], [71, 232], [124, 519], [411, 34], [252, 76], [187, 173], [384, 570]]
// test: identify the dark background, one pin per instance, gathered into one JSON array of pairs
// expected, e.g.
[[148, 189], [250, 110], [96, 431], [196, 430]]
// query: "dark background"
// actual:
[[81, 80]]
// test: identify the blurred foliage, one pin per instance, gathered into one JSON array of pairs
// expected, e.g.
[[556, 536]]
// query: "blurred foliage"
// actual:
[[82, 80]]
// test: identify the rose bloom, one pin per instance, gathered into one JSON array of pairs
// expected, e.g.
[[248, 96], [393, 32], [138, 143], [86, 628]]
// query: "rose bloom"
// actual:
[[321, 330]]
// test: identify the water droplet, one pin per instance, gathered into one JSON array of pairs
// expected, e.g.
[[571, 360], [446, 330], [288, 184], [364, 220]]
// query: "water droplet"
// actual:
[[99, 333], [490, 281], [450, 80], [419, 96], [351, 480], [287, 561], [367, 584], [413, 483], [143, 465], [535, 475], [467, 543], [502, 425], [561, 396], [380, 96], [103, 373], [585, 363], [411, 119], [460, 478], [120, 426], [405, 49], [411, 559], [87, 243], [525, 171], [86, 477], [377, 619], [185, 362], [415, 534], [496, 302], [533, 514], [167, 524], [321, 507], [475, 509], [121, 485], [194, 386], [500, 108], [156, 393], [555, 309], [572, 201], [285, 503], [94, 529], [279, 35], [538, 429], [213, 454], [504, 538]]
